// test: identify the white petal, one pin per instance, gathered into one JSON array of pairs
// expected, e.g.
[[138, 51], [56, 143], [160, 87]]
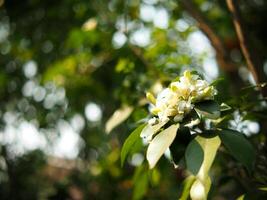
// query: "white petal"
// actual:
[[192, 123], [160, 144], [149, 130]]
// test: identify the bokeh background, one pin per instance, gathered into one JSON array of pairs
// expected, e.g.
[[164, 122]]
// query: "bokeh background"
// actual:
[[67, 65]]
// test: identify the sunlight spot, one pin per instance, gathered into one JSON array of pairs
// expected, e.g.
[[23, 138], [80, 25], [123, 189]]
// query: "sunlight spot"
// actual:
[[22, 136], [199, 43], [181, 25], [30, 69], [10, 117], [67, 145], [141, 37], [206, 6], [39, 93], [28, 88], [50, 101], [161, 19], [77, 122], [119, 39], [211, 68], [147, 12], [93, 112], [29, 136]]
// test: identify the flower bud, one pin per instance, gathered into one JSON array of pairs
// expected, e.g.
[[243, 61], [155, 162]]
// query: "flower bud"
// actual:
[[151, 98]]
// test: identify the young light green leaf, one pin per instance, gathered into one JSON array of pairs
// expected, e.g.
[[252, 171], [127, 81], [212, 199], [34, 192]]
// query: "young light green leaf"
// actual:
[[160, 144], [130, 141], [209, 109], [209, 146], [239, 147], [118, 117]]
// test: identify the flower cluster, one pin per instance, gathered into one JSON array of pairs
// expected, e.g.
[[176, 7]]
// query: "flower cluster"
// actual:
[[171, 105], [178, 99]]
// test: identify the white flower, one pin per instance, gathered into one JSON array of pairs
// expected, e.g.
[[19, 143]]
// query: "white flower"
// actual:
[[173, 103], [178, 99], [153, 121]]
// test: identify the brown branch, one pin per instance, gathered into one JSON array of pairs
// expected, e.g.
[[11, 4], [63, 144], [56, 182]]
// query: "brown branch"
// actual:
[[222, 54], [2, 2], [254, 63]]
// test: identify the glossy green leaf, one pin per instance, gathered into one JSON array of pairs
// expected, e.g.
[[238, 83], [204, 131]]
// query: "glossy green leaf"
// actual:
[[181, 141], [194, 156], [209, 109], [130, 141], [239, 147]]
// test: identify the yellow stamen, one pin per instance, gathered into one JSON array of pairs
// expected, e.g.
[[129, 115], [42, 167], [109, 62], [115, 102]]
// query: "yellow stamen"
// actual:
[[151, 98]]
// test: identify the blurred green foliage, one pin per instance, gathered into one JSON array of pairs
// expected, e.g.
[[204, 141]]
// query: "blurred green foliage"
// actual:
[[90, 51]]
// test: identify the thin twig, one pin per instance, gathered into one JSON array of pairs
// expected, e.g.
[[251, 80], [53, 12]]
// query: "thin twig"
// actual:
[[254, 63]]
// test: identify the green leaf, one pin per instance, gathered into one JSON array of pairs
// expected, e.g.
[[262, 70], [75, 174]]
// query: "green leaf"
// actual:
[[209, 146], [154, 177], [216, 81], [239, 147], [130, 141], [209, 109], [188, 182], [118, 117], [140, 186], [140, 180], [194, 156], [178, 146], [160, 143]]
